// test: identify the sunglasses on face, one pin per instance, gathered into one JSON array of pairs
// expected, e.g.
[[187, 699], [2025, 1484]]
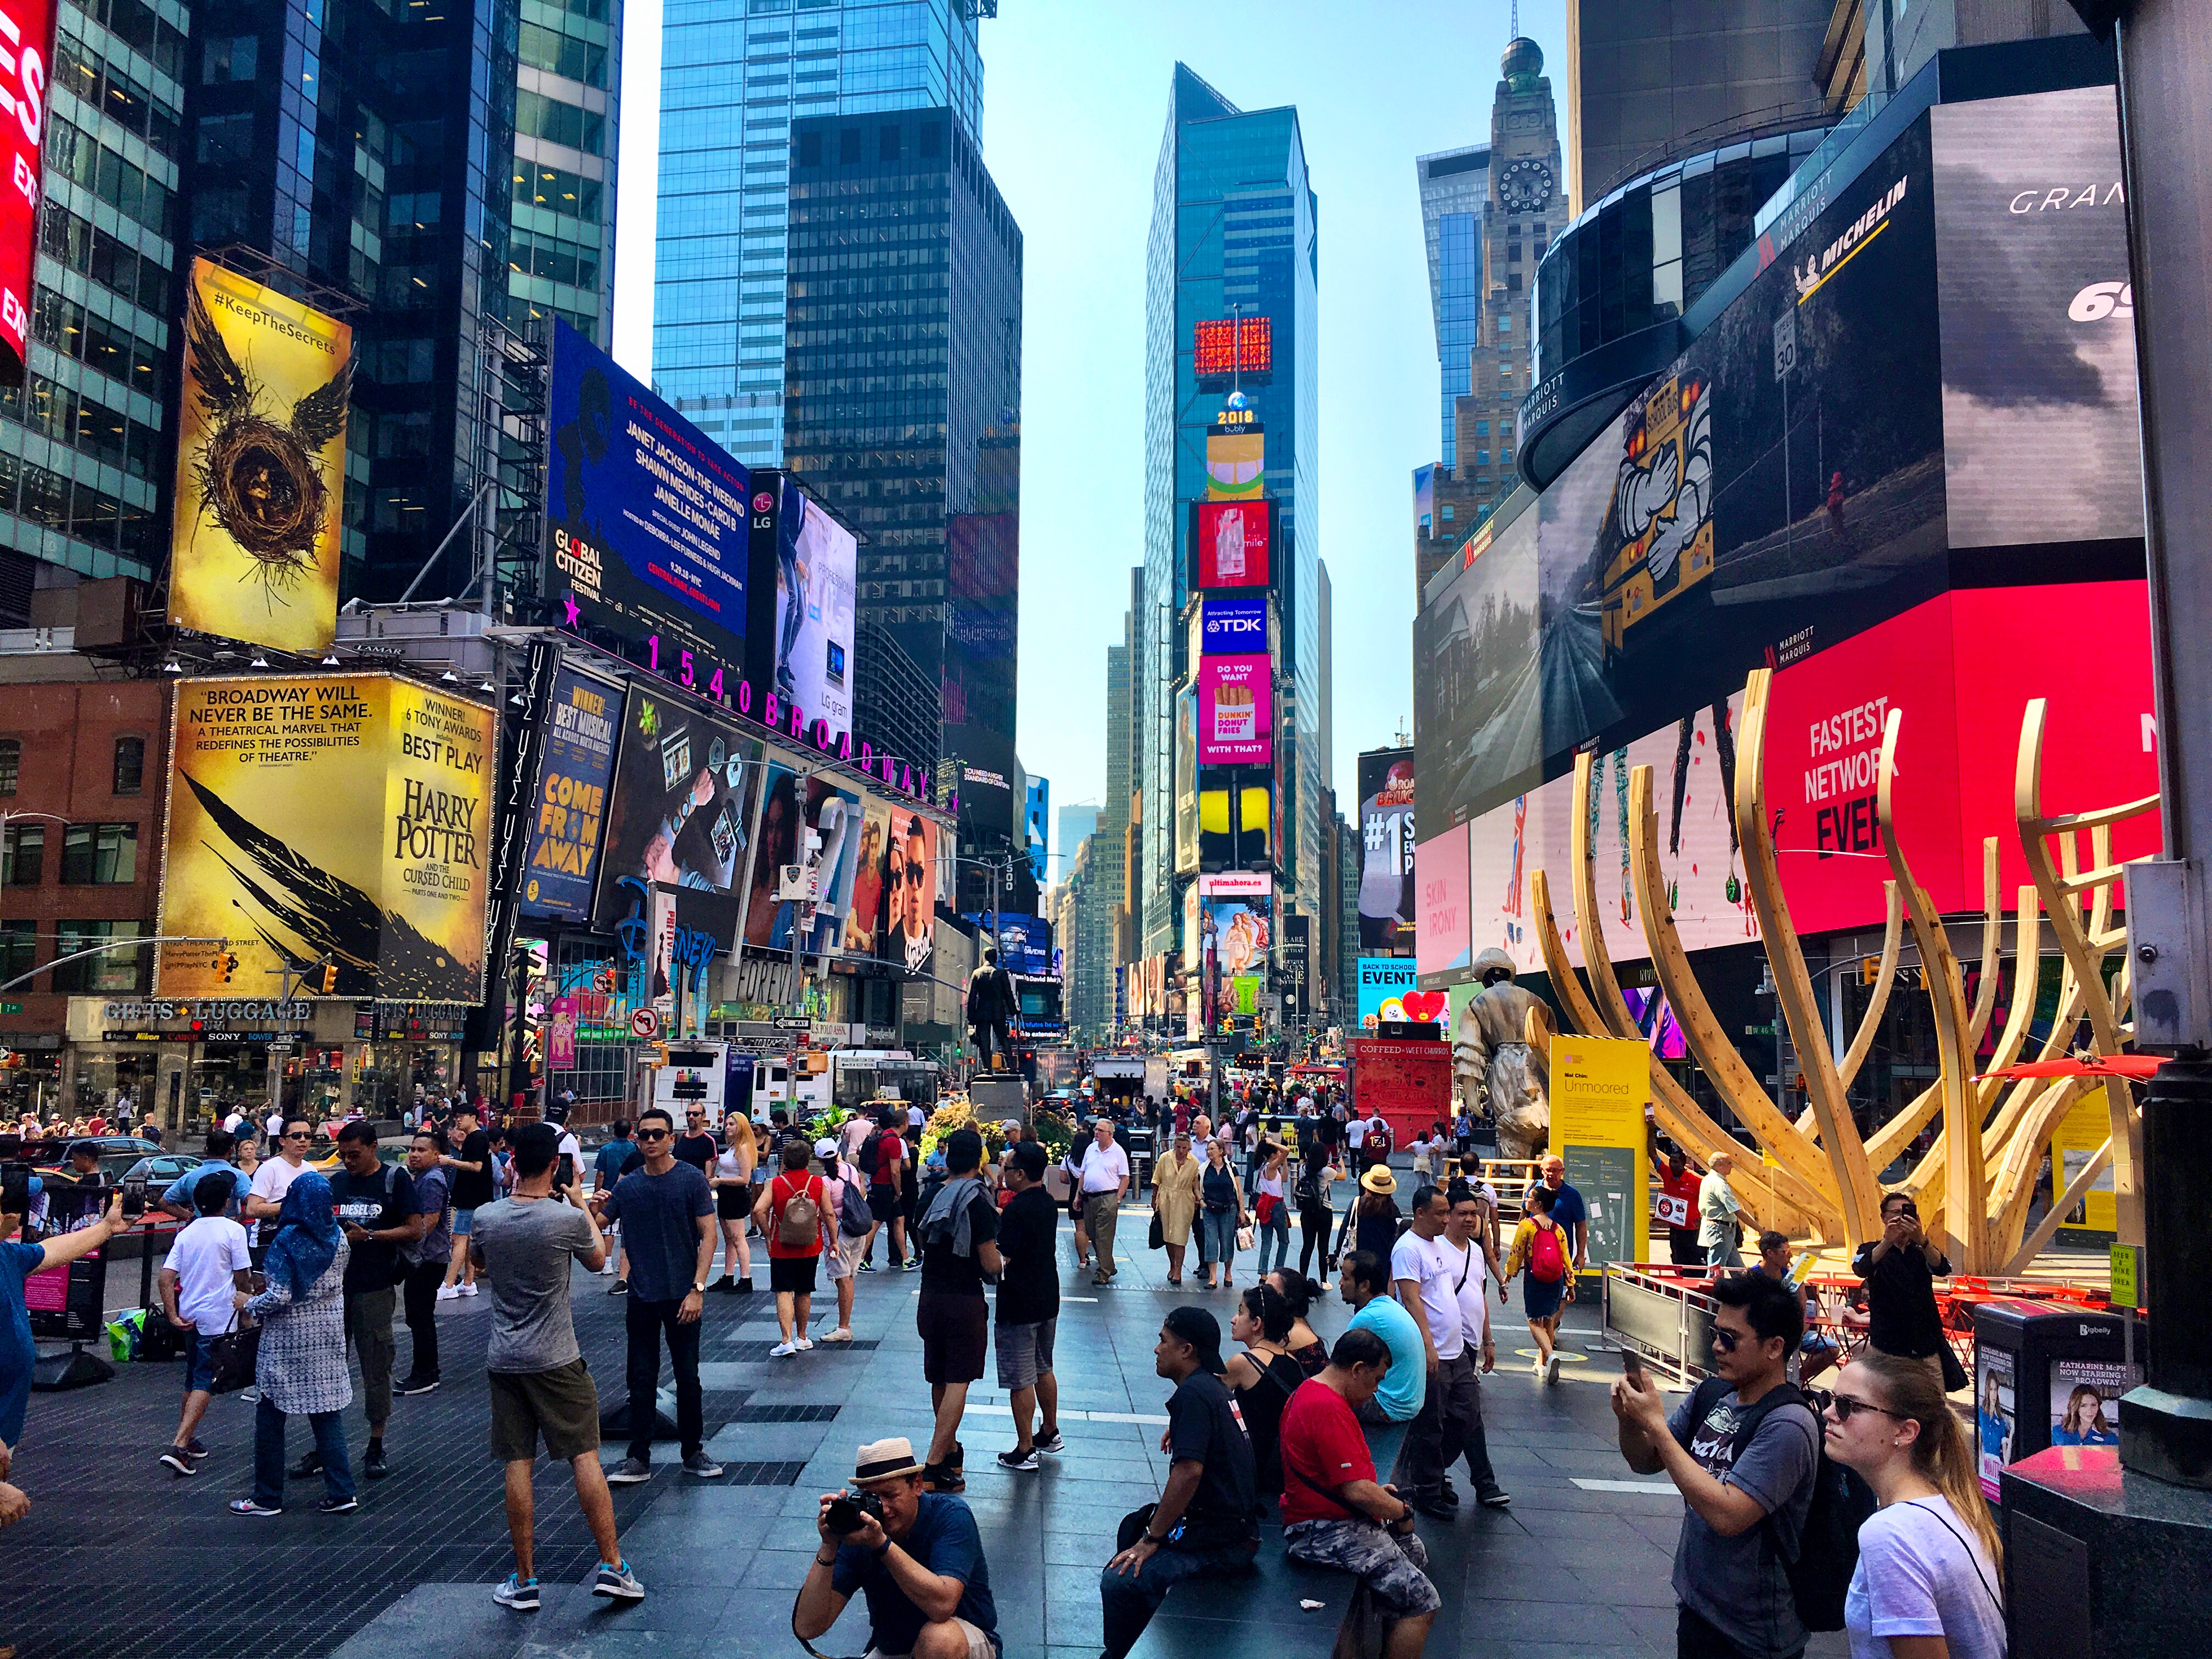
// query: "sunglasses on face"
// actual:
[[652, 1134], [915, 873], [1843, 1405], [298, 1134]]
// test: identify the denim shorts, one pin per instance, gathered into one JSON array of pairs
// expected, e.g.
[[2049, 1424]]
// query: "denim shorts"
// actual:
[[465, 1222], [199, 1362]]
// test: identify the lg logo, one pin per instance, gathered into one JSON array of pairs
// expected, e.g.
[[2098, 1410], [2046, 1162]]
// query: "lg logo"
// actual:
[[2101, 300]]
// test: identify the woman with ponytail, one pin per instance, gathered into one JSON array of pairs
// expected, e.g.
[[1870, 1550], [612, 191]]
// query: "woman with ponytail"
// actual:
[[1300, 1293], [1264, 1377], [1929, 1560]]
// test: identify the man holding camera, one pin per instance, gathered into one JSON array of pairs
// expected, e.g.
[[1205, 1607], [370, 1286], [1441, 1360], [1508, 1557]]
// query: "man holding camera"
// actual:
[[915, 1555], [18, 1261]]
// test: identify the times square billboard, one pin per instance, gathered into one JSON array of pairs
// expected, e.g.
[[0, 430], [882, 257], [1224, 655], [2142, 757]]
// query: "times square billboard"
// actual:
[[1906, 451]]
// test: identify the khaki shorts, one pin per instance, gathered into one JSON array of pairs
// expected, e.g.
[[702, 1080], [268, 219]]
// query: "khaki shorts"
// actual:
[[562, 1405], [979, 1645], [845, 1260]]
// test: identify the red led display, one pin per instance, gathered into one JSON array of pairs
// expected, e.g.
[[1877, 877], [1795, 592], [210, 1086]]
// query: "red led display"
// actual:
[[1227, 346]]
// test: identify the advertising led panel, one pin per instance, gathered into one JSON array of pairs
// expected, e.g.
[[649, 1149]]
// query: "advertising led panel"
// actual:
[[685, 788], [1385, 984], [1440, 927], [812, 642], [1230, 543], [1187, 798], [1232, 627], [341, 821], [646, 527], [1247, 844], [1235, 463], [2040, 441], [260, 460], [1478, 702], [1236, 711], [914, 887], [1225, 347], [1386, 842], [30, 32], [864, 923], [563, 861]]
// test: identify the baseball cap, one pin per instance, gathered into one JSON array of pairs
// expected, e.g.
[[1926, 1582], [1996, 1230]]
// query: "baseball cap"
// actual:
[[1201, 1330], [825, 1148]]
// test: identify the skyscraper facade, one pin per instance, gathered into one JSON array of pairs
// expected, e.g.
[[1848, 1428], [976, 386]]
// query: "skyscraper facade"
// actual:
[[735, 74], [1455, 185], [360, 156], [560, 252], [81, 444], [902, 379], [1233, 226]]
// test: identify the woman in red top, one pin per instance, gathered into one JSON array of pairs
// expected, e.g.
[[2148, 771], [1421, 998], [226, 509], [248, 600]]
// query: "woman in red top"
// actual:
[[783, 1208]]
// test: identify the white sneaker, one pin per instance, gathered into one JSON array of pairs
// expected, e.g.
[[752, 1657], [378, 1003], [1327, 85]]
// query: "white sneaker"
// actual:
[[842, 1333], [803, 1342], [783, 1351], [1552, 1371], [449, 1293], [469, 1289]]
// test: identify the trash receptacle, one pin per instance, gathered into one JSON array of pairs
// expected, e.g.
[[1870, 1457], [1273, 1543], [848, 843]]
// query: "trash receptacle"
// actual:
[[2047, 1374]]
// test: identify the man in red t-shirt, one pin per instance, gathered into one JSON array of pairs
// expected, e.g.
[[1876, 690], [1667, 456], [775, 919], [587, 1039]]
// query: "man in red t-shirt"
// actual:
[[884, 1197], [1334, 1514], [791, 1263], [1678, 1198]]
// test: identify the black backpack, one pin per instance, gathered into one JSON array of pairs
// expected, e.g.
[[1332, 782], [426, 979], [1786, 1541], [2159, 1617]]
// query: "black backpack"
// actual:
[[871, 1154], [1828, 1543]]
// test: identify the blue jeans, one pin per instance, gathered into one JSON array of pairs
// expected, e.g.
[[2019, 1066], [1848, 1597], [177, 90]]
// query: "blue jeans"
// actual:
[[1275, 1239], [1129, 1600], [1216, 1237], [269, 1454]]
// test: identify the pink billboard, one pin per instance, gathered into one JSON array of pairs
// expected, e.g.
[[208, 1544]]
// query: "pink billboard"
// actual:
[[1441, 938], [1236, 711]]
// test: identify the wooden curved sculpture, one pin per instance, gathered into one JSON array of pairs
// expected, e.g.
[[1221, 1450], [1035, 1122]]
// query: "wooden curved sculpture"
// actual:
[[1976, 1179]]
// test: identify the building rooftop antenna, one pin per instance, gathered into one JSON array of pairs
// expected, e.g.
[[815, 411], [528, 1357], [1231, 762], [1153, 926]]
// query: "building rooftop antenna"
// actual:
[[1516, 18]]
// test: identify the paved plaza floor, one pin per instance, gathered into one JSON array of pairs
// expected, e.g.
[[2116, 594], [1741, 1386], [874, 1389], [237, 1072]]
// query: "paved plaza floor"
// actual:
[[116, 1558]]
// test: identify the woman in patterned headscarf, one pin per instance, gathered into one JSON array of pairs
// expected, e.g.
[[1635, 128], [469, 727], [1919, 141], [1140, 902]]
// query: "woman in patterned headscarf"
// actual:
[[301, 1367]]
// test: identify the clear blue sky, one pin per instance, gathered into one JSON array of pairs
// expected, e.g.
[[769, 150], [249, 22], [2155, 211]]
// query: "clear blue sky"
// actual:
[[1074, 103]]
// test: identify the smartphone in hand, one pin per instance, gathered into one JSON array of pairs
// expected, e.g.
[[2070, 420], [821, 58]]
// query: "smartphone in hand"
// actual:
[[1632, 1366]]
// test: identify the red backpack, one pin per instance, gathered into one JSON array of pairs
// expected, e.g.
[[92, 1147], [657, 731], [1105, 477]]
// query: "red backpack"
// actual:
[[1547, 1259]]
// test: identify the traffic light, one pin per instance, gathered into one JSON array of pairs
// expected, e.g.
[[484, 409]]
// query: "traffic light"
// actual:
[[329, 977], [1869, 969], [229, 963]]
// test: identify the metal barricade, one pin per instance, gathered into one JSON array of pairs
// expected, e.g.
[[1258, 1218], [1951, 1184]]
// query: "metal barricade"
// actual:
[[1665, 1315]]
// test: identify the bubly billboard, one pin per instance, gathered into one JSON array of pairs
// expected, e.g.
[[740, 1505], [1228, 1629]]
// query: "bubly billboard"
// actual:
[[1230, 627], [1236, 711]]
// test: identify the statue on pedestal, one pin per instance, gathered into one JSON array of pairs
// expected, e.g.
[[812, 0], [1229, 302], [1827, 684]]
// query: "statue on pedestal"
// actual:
[[1500, 1073]]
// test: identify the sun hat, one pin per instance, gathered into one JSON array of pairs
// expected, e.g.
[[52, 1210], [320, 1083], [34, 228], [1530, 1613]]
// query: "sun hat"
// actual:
[[1379, 1180], [885, 1460]]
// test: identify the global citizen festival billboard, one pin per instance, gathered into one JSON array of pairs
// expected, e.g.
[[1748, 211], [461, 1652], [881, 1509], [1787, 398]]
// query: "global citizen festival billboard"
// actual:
[[28, 27], [647, 532]]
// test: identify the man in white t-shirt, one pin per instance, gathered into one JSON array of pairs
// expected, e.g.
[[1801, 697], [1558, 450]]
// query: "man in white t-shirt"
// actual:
[[273, 1178], [1469, 1251], [1105, 1182], [206, 1267], [1431, 1275]]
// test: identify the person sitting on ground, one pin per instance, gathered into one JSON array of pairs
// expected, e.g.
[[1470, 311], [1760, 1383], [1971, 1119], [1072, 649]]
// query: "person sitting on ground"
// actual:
[[1265, 1377], [1334, 1513], [1300, 1293], [918, 1559], [1365, 1284], [1205, 1524]]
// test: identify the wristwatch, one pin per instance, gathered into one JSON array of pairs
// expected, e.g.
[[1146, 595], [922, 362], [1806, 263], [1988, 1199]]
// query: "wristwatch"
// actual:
[[700, 1286]]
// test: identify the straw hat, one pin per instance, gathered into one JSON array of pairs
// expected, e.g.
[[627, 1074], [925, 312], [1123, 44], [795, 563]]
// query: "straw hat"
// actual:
[[885, 1460], [1379, 1180]]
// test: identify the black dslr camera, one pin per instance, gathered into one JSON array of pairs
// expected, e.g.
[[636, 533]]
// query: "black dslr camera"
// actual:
[[845, 1512]]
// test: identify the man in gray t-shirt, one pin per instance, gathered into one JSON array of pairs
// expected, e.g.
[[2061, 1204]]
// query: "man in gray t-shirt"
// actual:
[[1745, 1498], [539, 1384]]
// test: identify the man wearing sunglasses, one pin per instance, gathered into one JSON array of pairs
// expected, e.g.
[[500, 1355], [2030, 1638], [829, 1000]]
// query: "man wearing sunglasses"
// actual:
[[1745, 1465], [273, 1179]]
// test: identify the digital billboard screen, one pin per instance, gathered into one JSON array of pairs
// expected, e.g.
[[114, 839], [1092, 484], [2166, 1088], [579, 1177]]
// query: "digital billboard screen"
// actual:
[[1235, 710], [1478, 704], [561, 865], [1441, 932], [2040, 442], [1225, 347], [1233, 627], [808, 561], [1229, 543], [1236, 462], [1234, 821], [647, 536], [1386, 842], [681, 813], [30, 41], [1385, 984]]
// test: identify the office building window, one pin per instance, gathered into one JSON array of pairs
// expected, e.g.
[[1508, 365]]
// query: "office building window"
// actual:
[[99, 856], [110, 971], [11, 760], [130, 765], [23, 854]]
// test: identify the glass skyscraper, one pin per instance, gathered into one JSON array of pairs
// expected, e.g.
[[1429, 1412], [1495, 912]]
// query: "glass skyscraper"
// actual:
[[1233, 225], [902, 386], [1454, 186], [734, 75]]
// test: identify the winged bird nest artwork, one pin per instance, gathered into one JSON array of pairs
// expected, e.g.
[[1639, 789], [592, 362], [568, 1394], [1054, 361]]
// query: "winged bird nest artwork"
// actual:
[[259, 480]]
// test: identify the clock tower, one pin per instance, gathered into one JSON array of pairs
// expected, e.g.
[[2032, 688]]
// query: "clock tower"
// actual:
[[1527, 206]]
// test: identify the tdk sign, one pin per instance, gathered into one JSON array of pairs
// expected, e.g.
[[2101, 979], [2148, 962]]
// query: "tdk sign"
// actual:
[[1236, 626]]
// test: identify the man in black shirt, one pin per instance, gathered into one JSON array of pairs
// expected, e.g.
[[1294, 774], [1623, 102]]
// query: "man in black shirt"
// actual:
[[1029, 1306], [695, 1145], [473, 1188], [1900, 1269], [959, 1247], [1207, 1523], [376, 1211]]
